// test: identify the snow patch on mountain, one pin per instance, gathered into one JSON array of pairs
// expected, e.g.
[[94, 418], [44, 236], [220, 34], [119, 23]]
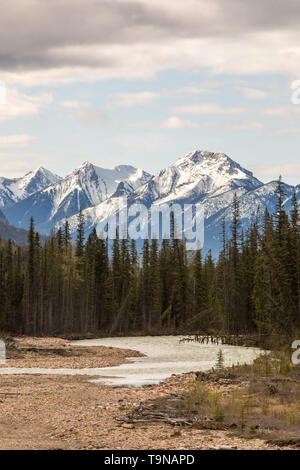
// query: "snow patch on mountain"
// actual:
[[87, 186], [194, 176], [211, 179], [17, 189]]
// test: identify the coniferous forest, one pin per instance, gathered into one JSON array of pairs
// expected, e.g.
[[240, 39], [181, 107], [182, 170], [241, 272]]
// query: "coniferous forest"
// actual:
[[57, 287]]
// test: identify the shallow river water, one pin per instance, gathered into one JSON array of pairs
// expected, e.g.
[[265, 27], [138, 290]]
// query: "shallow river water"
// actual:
[[164, 356]]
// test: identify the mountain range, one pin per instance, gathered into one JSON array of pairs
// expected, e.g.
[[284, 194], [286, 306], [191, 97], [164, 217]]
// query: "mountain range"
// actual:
[[86, 186], [203, 177]]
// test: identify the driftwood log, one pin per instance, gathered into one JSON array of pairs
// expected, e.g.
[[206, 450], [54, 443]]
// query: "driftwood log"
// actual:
[[168, 411]]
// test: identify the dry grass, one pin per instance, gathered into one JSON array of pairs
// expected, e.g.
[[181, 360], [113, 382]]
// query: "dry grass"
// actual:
[[260, 399]]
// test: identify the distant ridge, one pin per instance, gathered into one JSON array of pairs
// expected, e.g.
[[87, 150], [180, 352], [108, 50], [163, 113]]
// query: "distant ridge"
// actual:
[[8, 231]]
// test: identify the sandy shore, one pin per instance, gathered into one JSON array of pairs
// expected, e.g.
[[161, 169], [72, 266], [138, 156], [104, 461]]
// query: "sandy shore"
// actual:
[[69, 412]]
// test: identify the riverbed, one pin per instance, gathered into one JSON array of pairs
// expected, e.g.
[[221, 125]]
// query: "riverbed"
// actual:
[[163, 356]]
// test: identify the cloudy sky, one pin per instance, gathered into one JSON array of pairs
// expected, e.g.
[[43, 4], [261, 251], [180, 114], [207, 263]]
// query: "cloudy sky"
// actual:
[[144, 81]]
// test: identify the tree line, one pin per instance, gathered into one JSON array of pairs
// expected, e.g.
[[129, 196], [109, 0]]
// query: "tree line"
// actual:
[[58, 287]]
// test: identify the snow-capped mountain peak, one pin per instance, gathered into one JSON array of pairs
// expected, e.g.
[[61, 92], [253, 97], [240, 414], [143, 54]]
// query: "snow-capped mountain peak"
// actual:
[[107, 180], [87, 186], [201, 163], [197, 175], [13, 190], [86, 163], [36, 180]]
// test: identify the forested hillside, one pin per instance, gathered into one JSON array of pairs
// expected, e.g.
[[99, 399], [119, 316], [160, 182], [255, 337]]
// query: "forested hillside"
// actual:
[[57, 288], [8, 231]]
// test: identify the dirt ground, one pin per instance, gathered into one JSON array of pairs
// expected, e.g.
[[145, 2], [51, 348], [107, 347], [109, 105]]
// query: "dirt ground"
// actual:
[[56, 353], [70, 412]]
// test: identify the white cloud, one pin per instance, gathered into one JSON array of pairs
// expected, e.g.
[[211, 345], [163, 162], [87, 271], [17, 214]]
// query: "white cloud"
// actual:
[[147, 143], [17, 164], [18, 104], [85, 113], [291, 112], [89, 115], [192, 90], [279, 112], [245, 126], [253, 93], [16, 141], [288, 130], [202, 109], [146, 59], [137, 38], [129, 100], [271, 172], [73, 104], [175, 122]]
